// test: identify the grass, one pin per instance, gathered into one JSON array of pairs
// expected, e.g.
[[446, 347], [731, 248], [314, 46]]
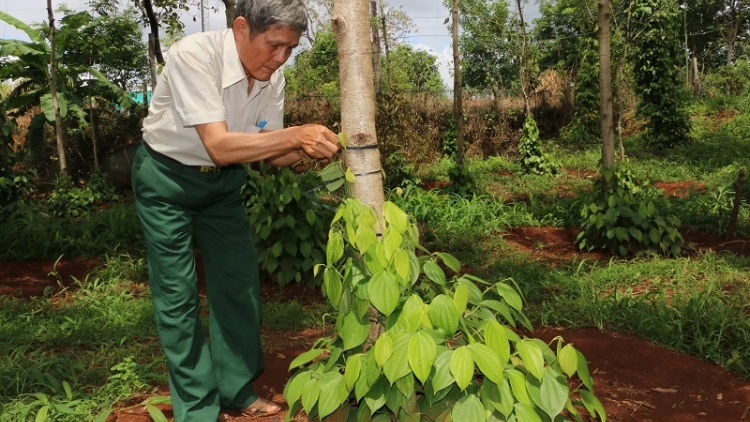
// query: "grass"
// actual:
[[81, 350]]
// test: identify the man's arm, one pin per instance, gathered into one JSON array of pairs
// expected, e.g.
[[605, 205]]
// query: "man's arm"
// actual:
[[279, 147]]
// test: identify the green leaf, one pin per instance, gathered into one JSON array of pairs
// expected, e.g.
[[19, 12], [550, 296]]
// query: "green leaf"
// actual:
[[294, 388], [332, 286], [593, 405], [583, 371], [450, 261], [496, 339], [310, 395], [532, 358], [42, 415], [487, 361], [395, 217], [443, 314], [402, 265], [306, 357], [331, 399], [354, 330], [460, 298], [568, 360], [462, 367], [554, 393], [518, 386], [365, 237], [376, 397], [383, 349], [343, 140], [335, 248], [442, 377], [351, 372], [422, 353], [349, 176], [468, 409], [31, 32], [434, 272], [311, 217], [510, 295], [398, 365], [156, 413], [526, 413], [383, 291]]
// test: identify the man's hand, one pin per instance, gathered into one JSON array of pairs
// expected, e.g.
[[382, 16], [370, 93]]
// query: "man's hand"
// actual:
[[318, 141]]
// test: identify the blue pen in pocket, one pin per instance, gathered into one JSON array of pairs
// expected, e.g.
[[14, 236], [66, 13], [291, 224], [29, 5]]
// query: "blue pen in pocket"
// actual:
[[262, 123]]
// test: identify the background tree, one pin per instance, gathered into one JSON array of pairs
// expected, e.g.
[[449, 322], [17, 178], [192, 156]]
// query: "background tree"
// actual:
[[27, 63], [488, 58], [656, 63], [415, 70]]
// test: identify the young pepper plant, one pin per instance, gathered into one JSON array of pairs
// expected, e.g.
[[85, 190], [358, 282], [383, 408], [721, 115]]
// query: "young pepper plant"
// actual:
[[443, 347]]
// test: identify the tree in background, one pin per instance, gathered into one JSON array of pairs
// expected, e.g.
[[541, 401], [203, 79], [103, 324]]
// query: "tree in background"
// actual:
[[657, 58], [314, 71], [489, 56], [557, 33], [415, 70], [27, 62]]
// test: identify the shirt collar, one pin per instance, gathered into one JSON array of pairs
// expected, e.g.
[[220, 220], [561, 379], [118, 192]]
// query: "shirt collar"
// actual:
[[233, 71]]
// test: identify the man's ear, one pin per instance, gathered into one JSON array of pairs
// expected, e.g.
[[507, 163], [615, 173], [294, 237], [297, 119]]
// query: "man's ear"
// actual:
[[241, 28]]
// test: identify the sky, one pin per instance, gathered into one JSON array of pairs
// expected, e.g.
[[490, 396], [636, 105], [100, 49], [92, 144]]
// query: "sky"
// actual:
[[431, 34]]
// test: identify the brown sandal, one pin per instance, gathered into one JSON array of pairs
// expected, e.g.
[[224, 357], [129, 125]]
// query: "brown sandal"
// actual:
[[262, 407]]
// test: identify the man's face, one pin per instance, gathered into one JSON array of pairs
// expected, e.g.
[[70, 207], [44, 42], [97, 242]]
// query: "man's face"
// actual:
[[263, 54]]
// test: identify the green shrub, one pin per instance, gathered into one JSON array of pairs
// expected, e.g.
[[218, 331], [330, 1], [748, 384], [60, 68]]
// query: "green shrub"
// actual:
[[533, 159], [288, 222], [623, 215], [67, 200], [412, 344], [462, 181]]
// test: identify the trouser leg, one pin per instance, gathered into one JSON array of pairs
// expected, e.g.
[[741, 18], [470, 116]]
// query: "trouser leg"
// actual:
[[161, 194], [232, 281]]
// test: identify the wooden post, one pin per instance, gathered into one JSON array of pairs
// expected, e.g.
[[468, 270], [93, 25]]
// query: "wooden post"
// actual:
[[736, 210]]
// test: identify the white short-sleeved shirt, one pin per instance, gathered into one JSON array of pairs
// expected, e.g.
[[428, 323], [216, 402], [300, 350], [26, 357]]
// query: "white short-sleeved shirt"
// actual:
[[204, 82]]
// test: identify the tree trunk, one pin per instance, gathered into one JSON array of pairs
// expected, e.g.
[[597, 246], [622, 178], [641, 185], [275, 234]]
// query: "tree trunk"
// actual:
[[152, 60], [525, 71], [351, 26], [458, 110], [386, 46], [376, 45], [154, 24], [53, 91], [92, 117], [605, 86], [229, 12]]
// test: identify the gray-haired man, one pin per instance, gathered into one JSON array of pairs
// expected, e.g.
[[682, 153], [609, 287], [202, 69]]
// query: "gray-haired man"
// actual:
[[204, 118]]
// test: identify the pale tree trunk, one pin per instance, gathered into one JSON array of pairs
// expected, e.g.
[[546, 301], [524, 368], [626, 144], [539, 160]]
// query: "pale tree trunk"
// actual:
[[458, 110], [387, 47], [229, 12], [605, 86], [92, 117], [375, 45], [525, 71], [53, 91], [351, 26]]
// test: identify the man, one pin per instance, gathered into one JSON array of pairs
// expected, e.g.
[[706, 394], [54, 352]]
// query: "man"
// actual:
[[215, 91]]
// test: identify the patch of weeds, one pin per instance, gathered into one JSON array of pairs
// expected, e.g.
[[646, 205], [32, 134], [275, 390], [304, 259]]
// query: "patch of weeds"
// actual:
[[290, 316]]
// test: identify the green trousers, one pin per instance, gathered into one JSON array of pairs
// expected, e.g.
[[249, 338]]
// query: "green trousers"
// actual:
[[176, 205]]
